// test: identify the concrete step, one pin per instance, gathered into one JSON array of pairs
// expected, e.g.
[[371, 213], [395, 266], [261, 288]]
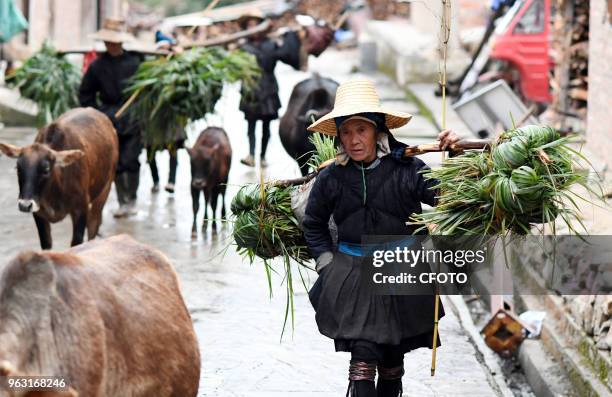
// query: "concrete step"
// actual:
[[16, 111], [544, 374], [588, 369]]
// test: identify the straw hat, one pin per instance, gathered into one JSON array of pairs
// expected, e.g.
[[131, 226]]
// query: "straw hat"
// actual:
[[254, 13], [357, 96], [113, 31]]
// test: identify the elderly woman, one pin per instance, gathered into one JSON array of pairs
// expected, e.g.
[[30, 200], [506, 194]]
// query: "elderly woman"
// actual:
[[369, 190]]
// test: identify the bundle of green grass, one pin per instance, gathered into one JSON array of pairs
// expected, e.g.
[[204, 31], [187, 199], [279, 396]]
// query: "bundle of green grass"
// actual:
[[50, 80], [172, 91], [522, 181], [265, 225], [265, 228]]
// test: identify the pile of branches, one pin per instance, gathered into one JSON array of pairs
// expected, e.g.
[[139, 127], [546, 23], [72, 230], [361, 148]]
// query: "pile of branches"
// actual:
[[522, 181], [170, 92], [570, 45], [50, 80]]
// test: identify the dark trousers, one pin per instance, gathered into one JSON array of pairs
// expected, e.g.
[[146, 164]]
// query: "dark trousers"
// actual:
[[265, 136], [382, 356], [127, 177], [130, 147], [153, 166]]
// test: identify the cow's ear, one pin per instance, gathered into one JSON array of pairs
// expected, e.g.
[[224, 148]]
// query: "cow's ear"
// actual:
[[67, 157], [6, 369], [10, 150]]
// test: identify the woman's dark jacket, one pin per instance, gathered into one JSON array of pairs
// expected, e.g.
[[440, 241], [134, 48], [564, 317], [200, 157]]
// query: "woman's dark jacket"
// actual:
[[394, 190], [263, 102]]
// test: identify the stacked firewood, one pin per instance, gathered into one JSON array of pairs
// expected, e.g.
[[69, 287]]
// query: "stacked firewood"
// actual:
[[321, 9], [571, 53], [383, 9], [579, 58]]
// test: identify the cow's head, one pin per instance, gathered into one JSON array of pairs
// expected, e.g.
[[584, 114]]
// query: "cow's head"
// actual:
[[318, 103], [36, 166], [202, 163]]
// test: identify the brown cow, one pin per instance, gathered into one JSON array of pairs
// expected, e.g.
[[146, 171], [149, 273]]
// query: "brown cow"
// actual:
[[107, 315], [69, 169], [211, 158]]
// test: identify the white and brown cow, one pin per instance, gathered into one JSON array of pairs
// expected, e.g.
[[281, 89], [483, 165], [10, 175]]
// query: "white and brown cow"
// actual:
[[68, 170], [108, 315]]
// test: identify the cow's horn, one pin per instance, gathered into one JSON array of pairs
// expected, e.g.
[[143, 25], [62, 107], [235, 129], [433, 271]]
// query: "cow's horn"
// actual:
[[310, 113], [6, 368]]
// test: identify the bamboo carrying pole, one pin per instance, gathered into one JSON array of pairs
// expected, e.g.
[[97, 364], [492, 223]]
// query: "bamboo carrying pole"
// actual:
[[415, 150], [444, 37]]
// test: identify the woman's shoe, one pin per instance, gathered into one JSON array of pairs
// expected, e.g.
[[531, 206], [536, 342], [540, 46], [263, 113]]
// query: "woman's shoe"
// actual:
[[169, 188], [248, 160], [263, 163], [155, 188]]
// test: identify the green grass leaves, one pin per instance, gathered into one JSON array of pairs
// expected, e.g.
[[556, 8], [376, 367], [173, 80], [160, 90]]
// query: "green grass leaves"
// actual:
[[172, 91], [48, 79], [523, 181]]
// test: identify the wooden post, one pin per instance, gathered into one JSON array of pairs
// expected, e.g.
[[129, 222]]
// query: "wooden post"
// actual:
[[444, 37]]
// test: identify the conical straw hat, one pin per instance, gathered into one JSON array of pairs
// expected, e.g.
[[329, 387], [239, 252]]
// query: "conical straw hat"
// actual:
[[357, 96], [113, 31], [254, 13]]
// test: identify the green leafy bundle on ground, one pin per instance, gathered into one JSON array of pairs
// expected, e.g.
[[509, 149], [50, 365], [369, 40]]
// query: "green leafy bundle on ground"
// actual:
[[172, 91], [522, 181], [50, 80]]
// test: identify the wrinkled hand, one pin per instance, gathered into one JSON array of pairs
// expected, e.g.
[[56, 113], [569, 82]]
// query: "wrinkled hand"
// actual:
[[447, 138]]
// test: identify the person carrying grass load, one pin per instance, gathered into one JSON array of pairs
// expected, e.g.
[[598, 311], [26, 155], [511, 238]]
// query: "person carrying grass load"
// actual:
[[102, 88], [371, 189]]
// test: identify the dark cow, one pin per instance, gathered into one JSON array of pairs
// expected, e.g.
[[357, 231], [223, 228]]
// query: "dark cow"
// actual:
[[310, 99], [107, 316], [69, 169], [211, 158]]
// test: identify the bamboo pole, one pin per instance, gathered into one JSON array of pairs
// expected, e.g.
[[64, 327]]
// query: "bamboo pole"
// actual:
[[444, 37], [209, 7], [415, 150]]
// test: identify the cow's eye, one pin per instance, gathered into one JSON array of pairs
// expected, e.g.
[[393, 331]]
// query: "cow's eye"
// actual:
[[46, 168]]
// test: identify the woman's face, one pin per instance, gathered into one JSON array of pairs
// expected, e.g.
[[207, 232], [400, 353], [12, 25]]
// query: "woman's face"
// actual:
[[359, 139]]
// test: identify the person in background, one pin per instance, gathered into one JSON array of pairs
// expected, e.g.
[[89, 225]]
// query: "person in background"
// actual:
[[102, 88], [168, 43], [262, 102]]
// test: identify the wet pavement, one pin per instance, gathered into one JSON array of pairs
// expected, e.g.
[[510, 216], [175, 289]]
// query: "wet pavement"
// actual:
[[238, 324]]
